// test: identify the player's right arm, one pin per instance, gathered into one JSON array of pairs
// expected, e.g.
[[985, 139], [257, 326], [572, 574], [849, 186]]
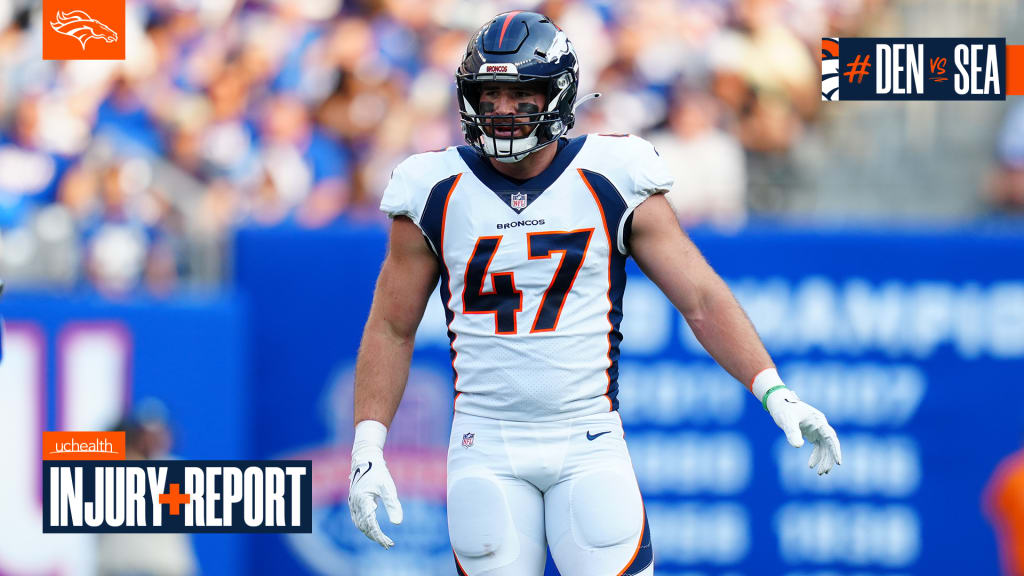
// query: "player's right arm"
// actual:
[[408, 276], [406, 280]]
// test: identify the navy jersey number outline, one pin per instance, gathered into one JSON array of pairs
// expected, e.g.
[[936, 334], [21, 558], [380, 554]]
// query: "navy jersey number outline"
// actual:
[[504, 300]]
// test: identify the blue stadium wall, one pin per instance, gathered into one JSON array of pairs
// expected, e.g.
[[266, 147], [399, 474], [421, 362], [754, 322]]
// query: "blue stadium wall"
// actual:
[[911, 340]]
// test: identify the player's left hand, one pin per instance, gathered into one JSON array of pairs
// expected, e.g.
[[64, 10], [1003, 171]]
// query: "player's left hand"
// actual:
[[800, 420]]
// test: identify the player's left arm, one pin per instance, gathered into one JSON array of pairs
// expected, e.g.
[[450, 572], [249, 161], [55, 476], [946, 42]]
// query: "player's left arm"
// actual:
[[671, 260]]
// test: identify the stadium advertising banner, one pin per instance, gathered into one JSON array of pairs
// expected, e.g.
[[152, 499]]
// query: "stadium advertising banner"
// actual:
[[909, 341]]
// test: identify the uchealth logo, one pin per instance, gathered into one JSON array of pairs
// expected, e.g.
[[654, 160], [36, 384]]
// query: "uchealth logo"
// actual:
[[83, 446], [88, 486], [83, 29]]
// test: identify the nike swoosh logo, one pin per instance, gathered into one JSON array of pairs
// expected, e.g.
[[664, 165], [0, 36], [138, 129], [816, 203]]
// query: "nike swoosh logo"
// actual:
[[356, 475], [591, 437]]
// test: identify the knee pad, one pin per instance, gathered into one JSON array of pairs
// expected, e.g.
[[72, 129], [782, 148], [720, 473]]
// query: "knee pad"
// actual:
[[606, 509], [477, 517]]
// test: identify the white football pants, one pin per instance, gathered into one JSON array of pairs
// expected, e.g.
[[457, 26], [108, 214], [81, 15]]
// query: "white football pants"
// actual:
[[516, 488]]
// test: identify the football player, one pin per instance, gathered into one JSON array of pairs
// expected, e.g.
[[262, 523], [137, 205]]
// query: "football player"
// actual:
[[527, 233]]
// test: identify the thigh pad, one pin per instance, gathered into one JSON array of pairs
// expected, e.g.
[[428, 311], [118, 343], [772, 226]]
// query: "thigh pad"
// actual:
[[606, 509], [478, 517]]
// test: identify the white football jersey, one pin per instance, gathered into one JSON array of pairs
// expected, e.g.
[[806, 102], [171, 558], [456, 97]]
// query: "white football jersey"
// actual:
[[532, 273]]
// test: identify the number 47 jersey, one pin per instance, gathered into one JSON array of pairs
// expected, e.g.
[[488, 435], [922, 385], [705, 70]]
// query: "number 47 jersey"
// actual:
[[532, 273]]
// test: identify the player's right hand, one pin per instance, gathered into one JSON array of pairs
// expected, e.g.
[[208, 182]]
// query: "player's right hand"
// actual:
[[370, 483]]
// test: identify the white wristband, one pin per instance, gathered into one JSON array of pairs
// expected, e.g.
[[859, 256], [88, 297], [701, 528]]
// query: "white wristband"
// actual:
[[369, 434], [764, 381]]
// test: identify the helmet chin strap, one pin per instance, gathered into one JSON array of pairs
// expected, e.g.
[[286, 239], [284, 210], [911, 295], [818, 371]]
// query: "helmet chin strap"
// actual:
[[515, 147]]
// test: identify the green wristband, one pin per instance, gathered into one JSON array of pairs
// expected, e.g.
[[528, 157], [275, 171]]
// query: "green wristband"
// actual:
[[764, 401]]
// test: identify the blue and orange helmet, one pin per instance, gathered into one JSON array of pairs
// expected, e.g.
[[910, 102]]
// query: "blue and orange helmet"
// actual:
[[521, 47]]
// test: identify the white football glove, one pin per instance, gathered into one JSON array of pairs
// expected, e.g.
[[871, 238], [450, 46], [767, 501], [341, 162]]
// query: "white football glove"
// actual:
[[799, 420], [371, 482]]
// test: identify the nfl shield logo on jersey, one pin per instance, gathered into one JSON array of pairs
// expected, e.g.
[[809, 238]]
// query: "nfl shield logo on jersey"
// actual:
[[519, 201], [467, 440]]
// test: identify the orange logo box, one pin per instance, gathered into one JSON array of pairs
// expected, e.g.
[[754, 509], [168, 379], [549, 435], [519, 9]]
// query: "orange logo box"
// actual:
[[83, 445], [83, 29]]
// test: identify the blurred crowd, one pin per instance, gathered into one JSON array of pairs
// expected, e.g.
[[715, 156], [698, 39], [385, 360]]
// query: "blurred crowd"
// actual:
[[131, 176]]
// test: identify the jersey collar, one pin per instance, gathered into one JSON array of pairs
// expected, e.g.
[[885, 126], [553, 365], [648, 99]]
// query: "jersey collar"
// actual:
[[512, 192]]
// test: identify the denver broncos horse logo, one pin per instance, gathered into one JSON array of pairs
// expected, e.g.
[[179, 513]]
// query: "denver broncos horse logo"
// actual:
[[830, 69], [83, 27]]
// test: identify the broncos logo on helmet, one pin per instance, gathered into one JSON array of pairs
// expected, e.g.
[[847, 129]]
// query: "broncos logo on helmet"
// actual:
[[830, 69], [82, 27]]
